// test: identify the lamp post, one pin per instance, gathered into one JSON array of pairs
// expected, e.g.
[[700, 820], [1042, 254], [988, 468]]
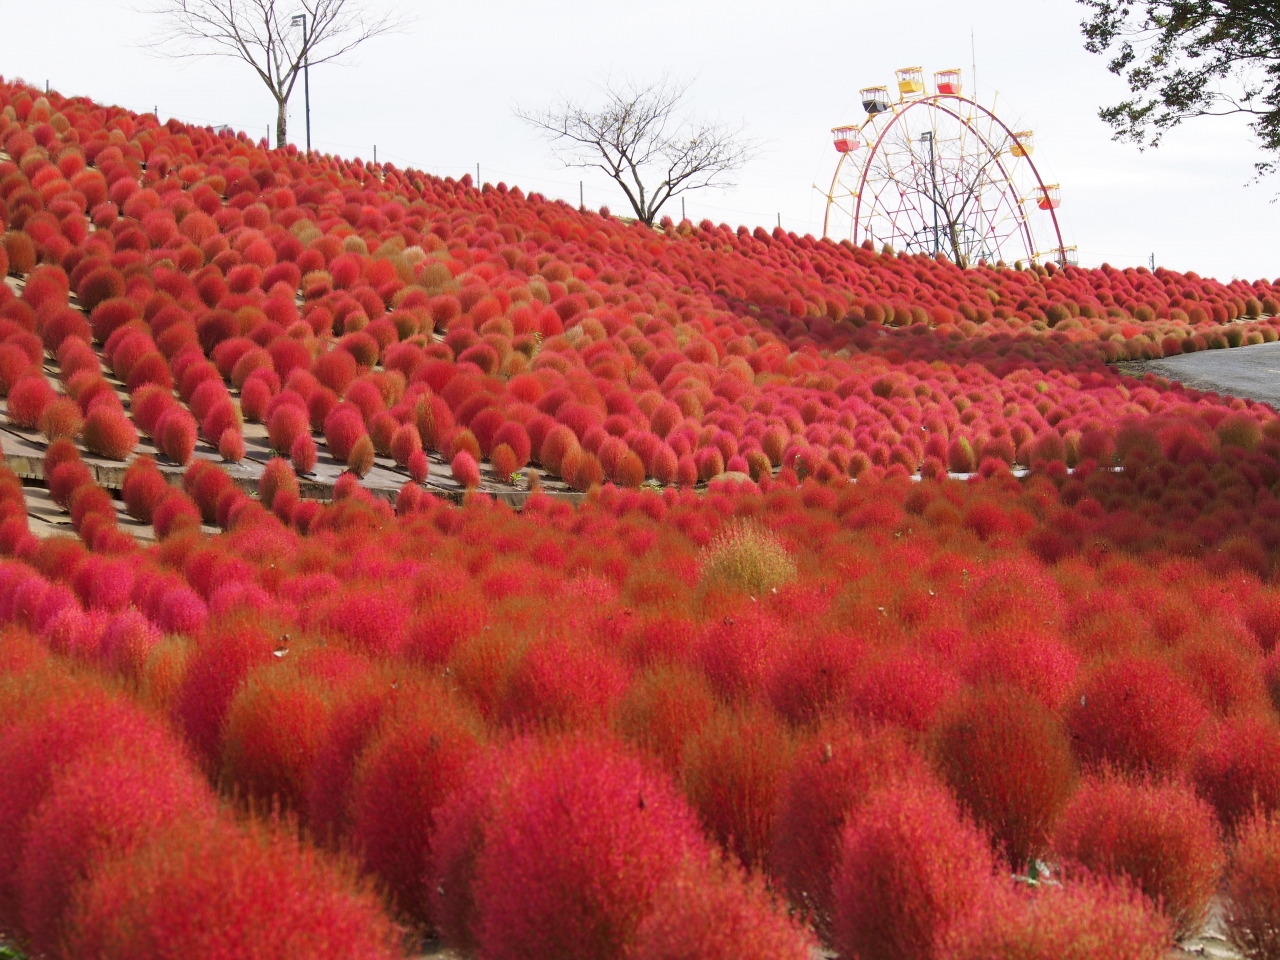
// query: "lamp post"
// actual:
[[300, 20], [927, 137]]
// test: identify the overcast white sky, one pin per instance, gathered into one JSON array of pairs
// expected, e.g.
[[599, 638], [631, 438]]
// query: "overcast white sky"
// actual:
[[440, 97]]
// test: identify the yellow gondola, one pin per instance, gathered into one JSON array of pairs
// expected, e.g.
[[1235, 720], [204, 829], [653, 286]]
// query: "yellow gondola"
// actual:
[[911, 81], [1024, 143]]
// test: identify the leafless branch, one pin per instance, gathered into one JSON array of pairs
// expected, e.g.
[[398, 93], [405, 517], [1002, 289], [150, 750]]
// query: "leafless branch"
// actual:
[[639, 141], [261, 33]]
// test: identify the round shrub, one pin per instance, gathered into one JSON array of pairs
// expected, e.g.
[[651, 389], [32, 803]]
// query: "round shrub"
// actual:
[[360, 460], [712, 911], [732, 770], [303, 453], [342, 428], [227, 891], [177, 435], [1158, 835], [273, 729], [577, 847], [1081, 920], [465, 470], [29, 397], [1237, 769], [1136, 713], [1008, 760], [1251, 908], [417, 760], [911, 871], [746, 557], [231, 445], [102, 805], [109, 433], [832, 777], [61, 420]]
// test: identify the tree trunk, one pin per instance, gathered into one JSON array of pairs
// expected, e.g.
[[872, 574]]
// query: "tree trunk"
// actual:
[[282, 122]]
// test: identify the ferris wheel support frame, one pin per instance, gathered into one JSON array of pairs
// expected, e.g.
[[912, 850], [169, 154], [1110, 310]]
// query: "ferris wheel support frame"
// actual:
[[935, 100]]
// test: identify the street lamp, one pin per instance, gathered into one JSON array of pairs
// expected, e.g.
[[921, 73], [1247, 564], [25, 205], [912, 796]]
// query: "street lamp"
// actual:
[[927, 137], [300, 20]]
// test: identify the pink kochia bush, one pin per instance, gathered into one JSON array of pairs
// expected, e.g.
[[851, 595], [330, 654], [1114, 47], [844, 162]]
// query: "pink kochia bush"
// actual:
[[114, 846], [418, 759], [565, 854]]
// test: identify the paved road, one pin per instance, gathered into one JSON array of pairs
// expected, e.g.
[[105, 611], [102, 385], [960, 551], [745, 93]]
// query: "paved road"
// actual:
[[1251, 372]]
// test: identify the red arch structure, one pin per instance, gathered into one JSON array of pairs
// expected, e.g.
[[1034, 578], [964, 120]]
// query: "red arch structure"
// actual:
[[964, 111]]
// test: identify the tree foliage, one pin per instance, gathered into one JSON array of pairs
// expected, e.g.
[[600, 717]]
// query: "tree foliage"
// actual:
[[1184, 59], [643, 142]]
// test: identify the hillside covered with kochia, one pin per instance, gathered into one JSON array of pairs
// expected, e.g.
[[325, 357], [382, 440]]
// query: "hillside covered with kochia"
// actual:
[[730, 718], [268, 287]]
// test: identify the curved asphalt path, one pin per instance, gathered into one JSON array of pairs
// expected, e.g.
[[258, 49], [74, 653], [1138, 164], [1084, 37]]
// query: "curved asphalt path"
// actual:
[[1251, 372]]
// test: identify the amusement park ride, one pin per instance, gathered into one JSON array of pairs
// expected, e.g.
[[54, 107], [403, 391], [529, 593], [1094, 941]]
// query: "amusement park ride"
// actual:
[[939, 173]]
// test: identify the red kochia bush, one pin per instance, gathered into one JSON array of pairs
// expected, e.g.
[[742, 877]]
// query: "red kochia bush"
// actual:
[[1157, 834], [223, 891], [176, 431], [911, 871], [302, 453], [559, 851], [286, 424], [465, 469], [29, 397], [564, 684], [713, 912], [143, 488], [104, 804], [832, 776], [1081, 920], [108, 432], [342, 428], [417, 760], [14, 366], [222, 659], [1135, 712], [1008, 760], [732, 769], [1237, 769], [46, 721], [273, 729], [1252, 903]]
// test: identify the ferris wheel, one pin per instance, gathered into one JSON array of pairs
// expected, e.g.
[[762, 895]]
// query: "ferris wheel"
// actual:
[[939, 173]]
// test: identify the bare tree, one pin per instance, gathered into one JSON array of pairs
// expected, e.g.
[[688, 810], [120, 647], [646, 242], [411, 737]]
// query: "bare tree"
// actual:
[[270, 36], [638, 139]]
